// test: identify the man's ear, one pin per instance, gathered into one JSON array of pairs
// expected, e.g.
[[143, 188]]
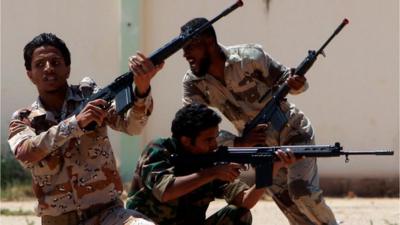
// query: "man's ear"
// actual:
[[185, 141], [29, 74], [68, 71], [208, 40]]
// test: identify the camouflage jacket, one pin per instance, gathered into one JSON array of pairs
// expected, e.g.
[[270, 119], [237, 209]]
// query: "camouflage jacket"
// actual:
[[155, 172], [73, 169], [249, 74]]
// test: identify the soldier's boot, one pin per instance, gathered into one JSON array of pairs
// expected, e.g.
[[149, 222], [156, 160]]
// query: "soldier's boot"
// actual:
[[230, 215]]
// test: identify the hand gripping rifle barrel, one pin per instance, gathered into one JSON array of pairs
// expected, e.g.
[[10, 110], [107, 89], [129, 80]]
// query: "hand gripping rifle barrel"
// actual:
[[121, 88]]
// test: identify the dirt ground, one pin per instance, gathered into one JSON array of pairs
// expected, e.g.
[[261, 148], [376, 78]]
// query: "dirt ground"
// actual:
[[352, 211]]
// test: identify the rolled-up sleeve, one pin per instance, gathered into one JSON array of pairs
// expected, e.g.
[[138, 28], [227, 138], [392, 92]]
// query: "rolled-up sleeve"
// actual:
[[156, 172], [234, 189], [160, 187]]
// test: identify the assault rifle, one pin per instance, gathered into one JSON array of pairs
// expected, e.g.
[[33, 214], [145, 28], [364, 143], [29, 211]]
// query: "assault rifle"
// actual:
[[121, 88], [271, 111], [261, 158]]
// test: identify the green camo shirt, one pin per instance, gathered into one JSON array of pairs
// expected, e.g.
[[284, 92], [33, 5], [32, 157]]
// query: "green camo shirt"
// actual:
[[155, 172]]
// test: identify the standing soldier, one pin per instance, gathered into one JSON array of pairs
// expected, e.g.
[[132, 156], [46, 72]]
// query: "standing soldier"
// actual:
[[75, 178]]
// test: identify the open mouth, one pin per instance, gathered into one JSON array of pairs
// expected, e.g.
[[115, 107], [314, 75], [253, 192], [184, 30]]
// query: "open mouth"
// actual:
[[50, 79]]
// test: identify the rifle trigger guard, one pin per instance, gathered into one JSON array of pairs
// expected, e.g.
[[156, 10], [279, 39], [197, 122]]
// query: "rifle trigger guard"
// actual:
[[347, 158]]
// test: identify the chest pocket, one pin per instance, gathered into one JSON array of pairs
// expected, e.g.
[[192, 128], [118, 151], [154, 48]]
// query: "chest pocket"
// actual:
[[250, 86]]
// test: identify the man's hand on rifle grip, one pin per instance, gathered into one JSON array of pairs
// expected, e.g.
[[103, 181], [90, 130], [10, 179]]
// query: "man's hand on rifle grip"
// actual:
[[95, 110], [296, 82], [226, 172]]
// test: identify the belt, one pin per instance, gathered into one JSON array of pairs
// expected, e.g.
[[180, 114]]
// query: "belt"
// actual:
[[97, 209], [76, 217]]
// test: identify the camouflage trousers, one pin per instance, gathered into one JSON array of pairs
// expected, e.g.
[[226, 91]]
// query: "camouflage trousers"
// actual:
[[296, 192], [116, 215], [230, 215]]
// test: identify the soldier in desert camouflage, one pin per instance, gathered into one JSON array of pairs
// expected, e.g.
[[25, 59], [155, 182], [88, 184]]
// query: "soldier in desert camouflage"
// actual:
[[75, 178], [239, 81]]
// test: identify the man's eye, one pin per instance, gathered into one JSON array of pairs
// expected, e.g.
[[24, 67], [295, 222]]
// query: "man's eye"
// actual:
[[39, 64], [56, 62]]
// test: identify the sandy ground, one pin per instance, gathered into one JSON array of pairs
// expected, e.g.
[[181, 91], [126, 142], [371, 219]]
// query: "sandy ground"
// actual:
[[355, 211]]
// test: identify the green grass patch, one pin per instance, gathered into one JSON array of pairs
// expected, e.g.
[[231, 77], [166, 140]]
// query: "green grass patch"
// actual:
[[16, 192], [15, 181], [20, 212]]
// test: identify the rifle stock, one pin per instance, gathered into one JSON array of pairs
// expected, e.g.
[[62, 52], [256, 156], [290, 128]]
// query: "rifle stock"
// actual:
[[262, 158]]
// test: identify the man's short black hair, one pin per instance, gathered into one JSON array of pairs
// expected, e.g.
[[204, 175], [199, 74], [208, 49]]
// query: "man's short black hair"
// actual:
[[196, 23], [43, 39], [192, 119]]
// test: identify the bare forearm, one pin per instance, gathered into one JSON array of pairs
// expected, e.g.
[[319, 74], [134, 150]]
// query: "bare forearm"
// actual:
[[252, 196], [186, 184]]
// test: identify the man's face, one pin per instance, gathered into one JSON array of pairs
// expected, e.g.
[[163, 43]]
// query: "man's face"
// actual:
[[205, 142], [49, 72], [198, 57]]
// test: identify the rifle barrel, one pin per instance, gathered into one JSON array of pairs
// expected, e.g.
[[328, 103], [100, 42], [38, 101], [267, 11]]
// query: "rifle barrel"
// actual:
[[222, 14], [158, 56], [338, 29], [228, 10], [378, 152]]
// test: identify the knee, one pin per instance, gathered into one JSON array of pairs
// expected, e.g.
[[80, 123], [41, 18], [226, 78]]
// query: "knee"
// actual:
[[298, 189], [141, 221], [239, 214]]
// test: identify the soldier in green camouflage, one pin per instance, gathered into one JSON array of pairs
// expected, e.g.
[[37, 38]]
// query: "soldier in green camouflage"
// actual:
[[173, 197], [74, 173], [239, 81]]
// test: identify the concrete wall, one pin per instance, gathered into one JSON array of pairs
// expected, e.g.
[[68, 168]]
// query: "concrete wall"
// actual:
[[90, 28], [354, 91]]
